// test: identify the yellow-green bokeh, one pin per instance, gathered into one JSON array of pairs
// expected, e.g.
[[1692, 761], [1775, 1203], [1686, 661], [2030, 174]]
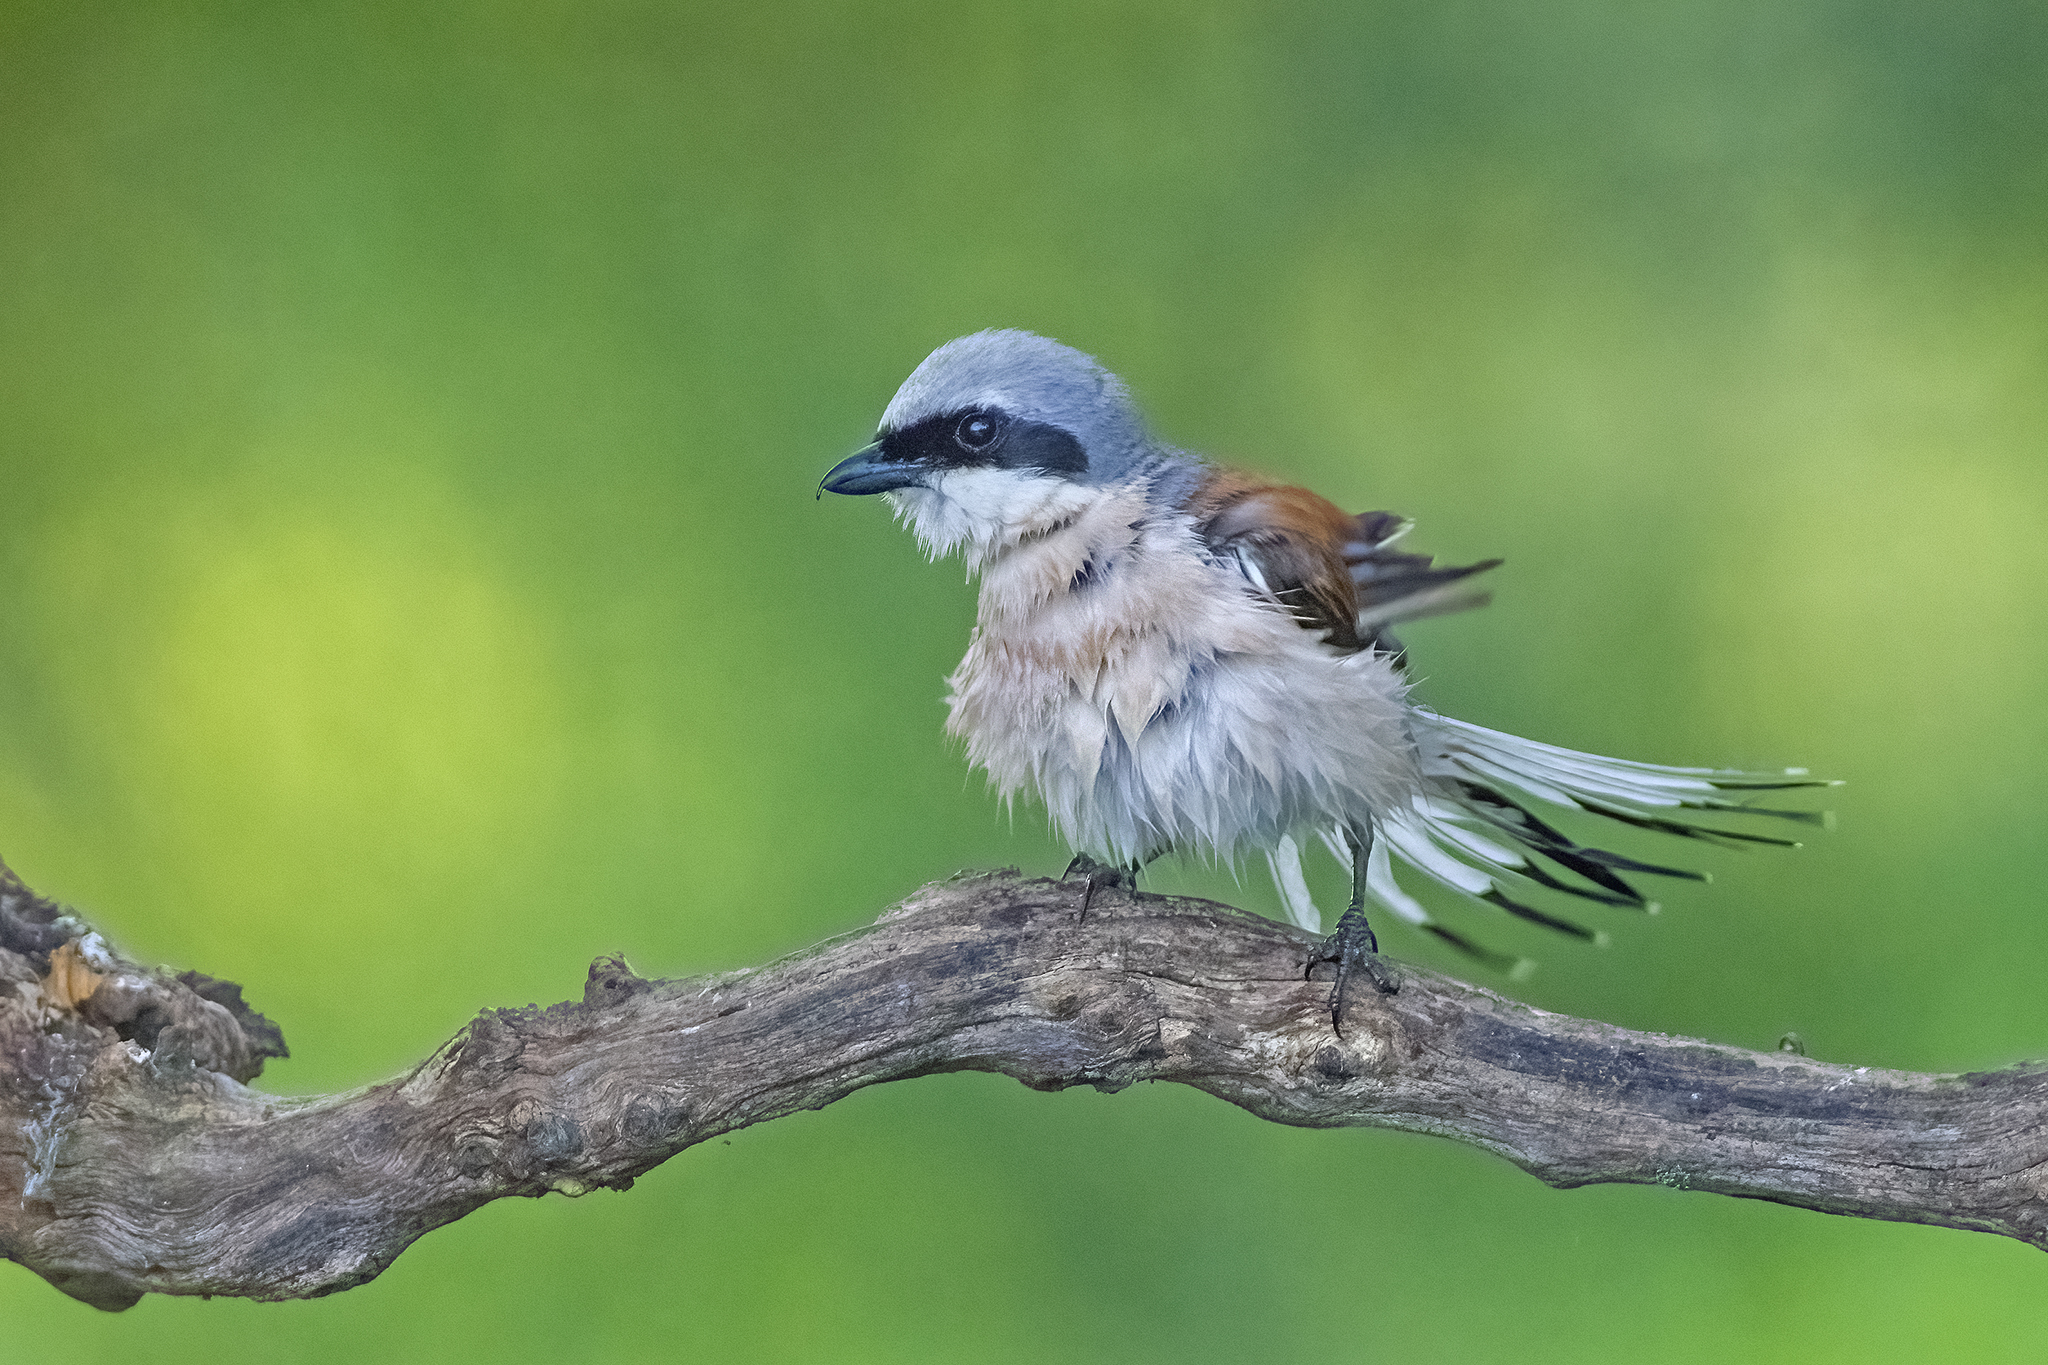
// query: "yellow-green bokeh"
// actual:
[[411, 587]]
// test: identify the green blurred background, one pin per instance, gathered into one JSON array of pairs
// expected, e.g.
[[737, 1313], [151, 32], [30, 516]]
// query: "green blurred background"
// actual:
[[412, 587]]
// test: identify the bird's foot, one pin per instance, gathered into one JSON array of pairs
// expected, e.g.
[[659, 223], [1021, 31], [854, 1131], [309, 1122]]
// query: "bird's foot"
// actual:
[[1355, 950], [1100, 877]]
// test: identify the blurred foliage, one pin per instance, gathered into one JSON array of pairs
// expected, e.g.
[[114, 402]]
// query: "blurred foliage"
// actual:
[[412, 588]]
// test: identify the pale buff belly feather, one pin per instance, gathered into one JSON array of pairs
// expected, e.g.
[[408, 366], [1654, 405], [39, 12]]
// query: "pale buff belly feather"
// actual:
[[1154, 702]]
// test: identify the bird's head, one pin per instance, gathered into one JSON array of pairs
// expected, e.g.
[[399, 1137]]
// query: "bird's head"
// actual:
[[994, 436]]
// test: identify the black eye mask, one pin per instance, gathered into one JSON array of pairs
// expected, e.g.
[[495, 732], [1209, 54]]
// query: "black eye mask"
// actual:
[[985, 438]]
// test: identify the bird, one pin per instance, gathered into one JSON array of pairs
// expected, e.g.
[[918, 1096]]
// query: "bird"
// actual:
[[1181, 657]]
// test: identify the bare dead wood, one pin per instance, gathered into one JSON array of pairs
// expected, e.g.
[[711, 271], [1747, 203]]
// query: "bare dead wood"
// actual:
[[134, 1160]]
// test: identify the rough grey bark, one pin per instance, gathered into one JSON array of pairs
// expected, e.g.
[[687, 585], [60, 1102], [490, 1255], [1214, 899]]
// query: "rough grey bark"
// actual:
[[133, 1158]]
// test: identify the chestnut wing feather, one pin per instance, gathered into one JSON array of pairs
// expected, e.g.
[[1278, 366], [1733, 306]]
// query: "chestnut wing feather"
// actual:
[[1289, 544], [1337, 574]]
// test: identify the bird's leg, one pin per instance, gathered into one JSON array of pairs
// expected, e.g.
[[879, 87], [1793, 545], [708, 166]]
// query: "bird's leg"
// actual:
[[1102, 876], [1098, 876], [1354, 947]]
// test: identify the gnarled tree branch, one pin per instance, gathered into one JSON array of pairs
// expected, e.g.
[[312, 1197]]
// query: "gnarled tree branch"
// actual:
[[134, 1160]]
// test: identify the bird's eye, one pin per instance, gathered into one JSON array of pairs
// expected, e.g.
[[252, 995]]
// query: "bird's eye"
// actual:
[[977, 431]]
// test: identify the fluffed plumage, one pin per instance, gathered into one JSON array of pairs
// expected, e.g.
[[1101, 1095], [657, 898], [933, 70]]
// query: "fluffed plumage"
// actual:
[[1175, 656]]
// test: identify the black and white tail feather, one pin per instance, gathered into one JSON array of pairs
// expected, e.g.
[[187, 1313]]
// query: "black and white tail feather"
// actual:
[[1475, 834]]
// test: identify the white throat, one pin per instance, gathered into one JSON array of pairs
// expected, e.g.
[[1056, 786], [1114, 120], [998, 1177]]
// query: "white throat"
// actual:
[[982, 512]]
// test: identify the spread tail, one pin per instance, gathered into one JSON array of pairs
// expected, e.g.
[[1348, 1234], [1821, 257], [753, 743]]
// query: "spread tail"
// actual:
[[1477, 835]]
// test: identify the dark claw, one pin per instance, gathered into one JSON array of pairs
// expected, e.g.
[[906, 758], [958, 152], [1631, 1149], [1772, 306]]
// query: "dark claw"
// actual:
[[1099, 876], [1354, 948]]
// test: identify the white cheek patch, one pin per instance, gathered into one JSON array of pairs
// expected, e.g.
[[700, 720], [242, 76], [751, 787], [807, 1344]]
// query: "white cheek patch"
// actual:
[[981, 511]]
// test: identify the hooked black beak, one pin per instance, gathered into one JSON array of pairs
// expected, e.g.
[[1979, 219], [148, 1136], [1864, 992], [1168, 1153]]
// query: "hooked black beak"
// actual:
[[870, 471]]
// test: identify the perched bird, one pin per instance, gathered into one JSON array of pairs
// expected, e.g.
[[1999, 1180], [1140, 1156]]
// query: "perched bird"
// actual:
[[1181, 657]]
